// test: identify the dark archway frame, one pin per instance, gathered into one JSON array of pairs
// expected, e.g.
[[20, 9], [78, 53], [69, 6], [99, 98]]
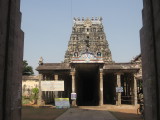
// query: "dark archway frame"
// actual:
[[11, 55]]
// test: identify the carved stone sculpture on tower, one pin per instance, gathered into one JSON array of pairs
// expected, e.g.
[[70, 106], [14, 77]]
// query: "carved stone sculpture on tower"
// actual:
[[88, 35]]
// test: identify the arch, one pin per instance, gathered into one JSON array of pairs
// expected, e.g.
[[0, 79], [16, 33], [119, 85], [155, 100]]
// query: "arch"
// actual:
[[150, 57]]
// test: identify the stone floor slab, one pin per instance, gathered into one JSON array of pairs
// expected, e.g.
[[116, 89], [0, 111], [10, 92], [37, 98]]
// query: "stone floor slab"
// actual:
[[86, 114]]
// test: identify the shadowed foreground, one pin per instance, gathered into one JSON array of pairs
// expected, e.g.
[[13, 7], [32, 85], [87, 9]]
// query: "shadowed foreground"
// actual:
[[81, 113], [30, 113], [125, 114]]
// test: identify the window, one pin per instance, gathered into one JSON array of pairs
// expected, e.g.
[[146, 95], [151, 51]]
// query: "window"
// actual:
[[99, 54], [76, 54]]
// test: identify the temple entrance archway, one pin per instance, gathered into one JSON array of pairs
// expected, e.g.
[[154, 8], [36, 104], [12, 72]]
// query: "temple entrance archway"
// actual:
[[152, 51]]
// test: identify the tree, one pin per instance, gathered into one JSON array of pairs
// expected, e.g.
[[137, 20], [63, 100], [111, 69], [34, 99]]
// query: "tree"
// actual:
[[27, 70], [35, 92]]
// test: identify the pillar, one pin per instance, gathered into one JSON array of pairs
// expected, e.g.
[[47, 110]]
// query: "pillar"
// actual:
[[52, 96], [135, 91], [101, 87], [56, 79], [40, 92], [49, 96], [73, 83], [11, 57], [118, 100], [73, 86], [150, 49], [45, 92]]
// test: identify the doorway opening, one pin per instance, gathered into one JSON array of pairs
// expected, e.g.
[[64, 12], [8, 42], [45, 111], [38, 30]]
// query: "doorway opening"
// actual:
[[87, 84], [109, 93]]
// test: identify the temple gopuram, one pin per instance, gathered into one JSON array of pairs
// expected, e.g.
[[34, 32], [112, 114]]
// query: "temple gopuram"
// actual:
[[89, 71]]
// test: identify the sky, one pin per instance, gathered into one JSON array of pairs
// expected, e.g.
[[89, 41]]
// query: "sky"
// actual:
[[47, 25]]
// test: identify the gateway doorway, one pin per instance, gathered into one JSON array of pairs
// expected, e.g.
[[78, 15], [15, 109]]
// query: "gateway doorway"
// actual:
[[87, 84]]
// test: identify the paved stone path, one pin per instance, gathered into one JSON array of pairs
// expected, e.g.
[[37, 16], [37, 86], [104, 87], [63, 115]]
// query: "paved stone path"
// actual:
[[86, 114]]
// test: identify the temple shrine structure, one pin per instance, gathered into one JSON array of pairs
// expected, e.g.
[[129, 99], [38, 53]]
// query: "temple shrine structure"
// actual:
[[89, 71]]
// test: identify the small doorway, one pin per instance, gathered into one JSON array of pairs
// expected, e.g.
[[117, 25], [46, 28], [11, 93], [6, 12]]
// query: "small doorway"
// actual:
[[109, 85]]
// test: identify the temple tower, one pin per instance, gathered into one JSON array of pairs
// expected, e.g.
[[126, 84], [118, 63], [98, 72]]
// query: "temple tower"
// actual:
[[88, 36]]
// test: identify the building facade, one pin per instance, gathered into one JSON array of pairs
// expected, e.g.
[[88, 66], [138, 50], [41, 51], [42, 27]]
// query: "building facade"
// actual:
[[89, 71]]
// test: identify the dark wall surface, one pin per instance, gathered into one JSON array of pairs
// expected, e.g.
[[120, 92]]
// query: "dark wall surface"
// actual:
[[11, 56], [150, 48]]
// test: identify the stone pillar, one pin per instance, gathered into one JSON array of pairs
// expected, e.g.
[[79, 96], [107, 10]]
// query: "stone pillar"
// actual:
[[101, 87], [150, 49], [45, 92], [56, 92], [56, 77], [40, 91], [73, 83], [135, 91], [73, 86], [52, 96], [11, 57], [118, 100]]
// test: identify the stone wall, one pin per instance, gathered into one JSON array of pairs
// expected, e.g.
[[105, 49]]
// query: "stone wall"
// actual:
[[28, 83], [150, 49], [11, 56]]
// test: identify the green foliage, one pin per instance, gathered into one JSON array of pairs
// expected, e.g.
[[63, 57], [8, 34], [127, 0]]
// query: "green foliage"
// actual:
[[27, 70], [32, 99], [25, 100], [35, 91]]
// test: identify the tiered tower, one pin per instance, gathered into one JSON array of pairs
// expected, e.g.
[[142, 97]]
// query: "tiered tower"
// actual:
[[88, 37]]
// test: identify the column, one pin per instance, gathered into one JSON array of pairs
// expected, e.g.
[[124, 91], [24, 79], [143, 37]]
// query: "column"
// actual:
[[135, 91], [45, 92], [52, 96], [101, 87], [56, 77], [118, 101], [56, 92], [73, 83], [73, 86], [40, 92]]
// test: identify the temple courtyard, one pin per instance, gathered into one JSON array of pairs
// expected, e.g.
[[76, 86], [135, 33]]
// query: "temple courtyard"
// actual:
[[105, 112]]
